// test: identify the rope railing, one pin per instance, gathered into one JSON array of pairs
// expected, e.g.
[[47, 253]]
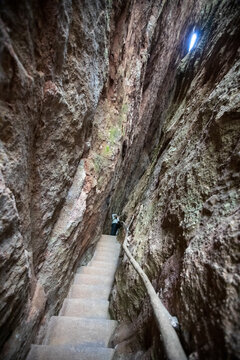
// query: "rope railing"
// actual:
[[171, 343]]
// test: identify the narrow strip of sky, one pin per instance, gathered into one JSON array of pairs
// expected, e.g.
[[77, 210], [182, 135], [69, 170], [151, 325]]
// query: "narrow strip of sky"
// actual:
[[192, 41]]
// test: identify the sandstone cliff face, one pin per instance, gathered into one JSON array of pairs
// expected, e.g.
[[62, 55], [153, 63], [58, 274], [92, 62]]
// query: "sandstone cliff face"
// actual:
[[102, 107], [54, 63], [185, 232]]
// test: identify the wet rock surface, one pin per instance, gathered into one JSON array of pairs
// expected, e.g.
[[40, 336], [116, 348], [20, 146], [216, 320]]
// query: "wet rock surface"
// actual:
[[103, 109]]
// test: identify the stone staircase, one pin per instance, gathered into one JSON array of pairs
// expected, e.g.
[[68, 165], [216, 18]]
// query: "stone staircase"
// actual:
[[83, 328]]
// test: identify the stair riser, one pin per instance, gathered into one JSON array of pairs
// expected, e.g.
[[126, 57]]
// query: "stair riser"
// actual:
[[105, 259], [91, 270], [68, 330], [107, 252], [83, 329], [103, 264], [44, 352], [91, 280], [89, 291], [108, 259], [85, 308], [108, 243]]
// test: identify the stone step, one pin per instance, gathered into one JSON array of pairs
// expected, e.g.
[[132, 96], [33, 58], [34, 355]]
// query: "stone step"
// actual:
[[95, 270], [113, 244], [89, 292], [106, 257], [69, 352], [106, 250], [108, 247], [64, 330], [93, 279], [103, 264], [88, 308], [108, 241], [110, 237]]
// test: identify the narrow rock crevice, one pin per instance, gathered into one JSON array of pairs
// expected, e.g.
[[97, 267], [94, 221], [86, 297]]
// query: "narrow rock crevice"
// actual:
[[104, 110]]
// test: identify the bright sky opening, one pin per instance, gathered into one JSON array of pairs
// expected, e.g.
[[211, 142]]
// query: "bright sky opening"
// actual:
[[192, 41]]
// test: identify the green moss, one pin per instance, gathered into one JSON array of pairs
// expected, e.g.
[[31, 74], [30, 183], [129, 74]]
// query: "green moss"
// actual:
[[114, 134], [123, 114], [101, 181], [106, 150], [98, 163], [124, 108]]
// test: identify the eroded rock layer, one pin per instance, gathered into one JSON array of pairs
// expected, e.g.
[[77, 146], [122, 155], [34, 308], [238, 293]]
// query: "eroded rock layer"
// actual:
[[103, 108], [54, 64], [185, 208]]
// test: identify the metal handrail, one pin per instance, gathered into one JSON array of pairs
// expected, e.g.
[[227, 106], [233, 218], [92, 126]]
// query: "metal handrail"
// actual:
[[171, 342]]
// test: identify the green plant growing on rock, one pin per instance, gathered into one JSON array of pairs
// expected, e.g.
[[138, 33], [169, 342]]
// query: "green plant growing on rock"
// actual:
[[98, 163], [124, 109], [106, 150], [123, 114], [114, 135]]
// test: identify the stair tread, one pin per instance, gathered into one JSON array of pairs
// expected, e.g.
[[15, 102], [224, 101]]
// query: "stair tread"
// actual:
[[108, 240], [103, 263], [95, 270], [90, 291], [106, 236], [105, 259], [107, 252], [83, 328], [67, 352], [74, 330], [88, 308], [109, 244], [93, 279]]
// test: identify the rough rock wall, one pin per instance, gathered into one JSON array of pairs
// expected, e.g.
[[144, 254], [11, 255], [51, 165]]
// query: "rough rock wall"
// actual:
[[53, 67], [91, 98], [185, 232], [153, 41]]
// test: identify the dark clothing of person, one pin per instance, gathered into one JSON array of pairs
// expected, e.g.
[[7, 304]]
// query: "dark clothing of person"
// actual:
[[114, 228]]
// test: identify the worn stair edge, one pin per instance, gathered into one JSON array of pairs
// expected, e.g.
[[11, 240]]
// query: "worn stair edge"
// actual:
[[110, 240], [105, 242], [112, 260], [88, 308], [90, 291], [104, 264], [107, 252], [70, 330], [109, 243], [106, 236], [93, 279], [95, 270], [69, 352], [106, 257], [107, 247]]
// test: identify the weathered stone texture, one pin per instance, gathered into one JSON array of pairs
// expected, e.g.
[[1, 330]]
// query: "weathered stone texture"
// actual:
[[54, 62], [102, 107], [185, 232]]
